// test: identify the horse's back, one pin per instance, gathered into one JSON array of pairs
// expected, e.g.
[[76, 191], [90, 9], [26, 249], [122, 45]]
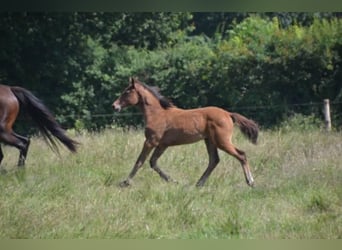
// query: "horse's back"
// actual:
[[218, 117], [199, 117], [213, 114]]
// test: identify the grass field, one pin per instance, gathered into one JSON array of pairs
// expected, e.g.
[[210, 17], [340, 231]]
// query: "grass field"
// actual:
[[298, 192]]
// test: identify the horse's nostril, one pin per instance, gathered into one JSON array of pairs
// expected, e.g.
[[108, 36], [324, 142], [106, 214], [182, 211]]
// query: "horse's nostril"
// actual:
[[116, 107]]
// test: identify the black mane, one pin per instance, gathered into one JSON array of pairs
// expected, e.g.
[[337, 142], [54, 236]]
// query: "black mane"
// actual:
[[164, 102]]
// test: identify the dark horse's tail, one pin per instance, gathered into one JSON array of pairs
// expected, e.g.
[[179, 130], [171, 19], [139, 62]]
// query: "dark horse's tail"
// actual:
[[44, 119], [248, 127]]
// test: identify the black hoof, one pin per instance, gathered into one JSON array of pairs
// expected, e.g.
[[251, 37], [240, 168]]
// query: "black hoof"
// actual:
[[124, 183], [251, 184]]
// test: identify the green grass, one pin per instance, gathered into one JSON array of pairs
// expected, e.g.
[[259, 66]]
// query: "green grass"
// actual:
[[298, 192]]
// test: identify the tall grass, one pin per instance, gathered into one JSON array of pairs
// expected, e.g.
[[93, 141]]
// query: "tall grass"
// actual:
[[298, 192]]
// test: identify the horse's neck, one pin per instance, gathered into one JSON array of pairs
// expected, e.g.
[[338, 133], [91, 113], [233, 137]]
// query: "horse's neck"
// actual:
[[151, 109]]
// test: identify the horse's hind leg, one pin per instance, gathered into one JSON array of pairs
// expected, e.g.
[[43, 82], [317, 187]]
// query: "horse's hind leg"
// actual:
[[153, 162], [1, 155], [12, 140], [23, 152], [213, 161], [241, 156]]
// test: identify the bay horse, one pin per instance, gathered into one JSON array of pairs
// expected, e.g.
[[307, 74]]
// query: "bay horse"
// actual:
[[11, 99], [166, 125]]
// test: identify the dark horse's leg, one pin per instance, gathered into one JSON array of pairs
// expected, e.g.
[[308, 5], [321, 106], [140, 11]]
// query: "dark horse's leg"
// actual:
[[1, 154], [21, 143], [23, 153], [213, 161], [140, 161], [153, 162], [2, 171]]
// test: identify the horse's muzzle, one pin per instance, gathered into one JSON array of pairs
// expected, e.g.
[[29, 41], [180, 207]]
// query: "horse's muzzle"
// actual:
[[116, 106]]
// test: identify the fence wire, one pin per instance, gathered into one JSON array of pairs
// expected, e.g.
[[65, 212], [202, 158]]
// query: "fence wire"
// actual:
[[231, 109], [261, 107]]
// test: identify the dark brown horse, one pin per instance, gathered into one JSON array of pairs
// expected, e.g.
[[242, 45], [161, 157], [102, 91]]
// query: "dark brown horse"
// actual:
[[11, 98], [167, 125]]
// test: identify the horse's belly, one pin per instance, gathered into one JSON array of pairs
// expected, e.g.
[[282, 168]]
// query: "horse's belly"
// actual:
[[185, 127], [180, 137]]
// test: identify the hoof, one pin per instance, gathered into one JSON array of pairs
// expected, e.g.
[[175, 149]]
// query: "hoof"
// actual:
[[124, 183], [251, 184], [172, 181], [199, 184]]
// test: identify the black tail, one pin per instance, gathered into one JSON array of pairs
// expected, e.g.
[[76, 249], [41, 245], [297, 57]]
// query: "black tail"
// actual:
[[248, 127], [44, 119]]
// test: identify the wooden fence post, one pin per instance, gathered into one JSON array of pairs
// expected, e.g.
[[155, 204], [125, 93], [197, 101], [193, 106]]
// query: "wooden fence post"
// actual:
[[327, 115]]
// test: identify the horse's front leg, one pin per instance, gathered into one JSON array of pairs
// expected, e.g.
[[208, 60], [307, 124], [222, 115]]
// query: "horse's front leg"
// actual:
[[153, 162], [140, 161]]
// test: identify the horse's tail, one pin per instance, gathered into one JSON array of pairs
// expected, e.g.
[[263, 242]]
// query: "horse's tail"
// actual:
[[44, 119], [248, 127]]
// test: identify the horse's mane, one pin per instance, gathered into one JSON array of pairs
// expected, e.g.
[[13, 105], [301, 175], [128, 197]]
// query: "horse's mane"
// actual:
[[164, 102]]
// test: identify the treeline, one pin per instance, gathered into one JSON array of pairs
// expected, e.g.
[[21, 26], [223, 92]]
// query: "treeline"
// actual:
[[263, 65]]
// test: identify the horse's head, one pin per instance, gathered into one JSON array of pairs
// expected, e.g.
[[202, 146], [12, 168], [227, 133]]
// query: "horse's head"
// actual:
[[129, 97]]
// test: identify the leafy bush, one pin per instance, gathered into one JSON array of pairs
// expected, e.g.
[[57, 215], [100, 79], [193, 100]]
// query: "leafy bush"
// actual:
[[301, 123], [260, 70], [256, 67]]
